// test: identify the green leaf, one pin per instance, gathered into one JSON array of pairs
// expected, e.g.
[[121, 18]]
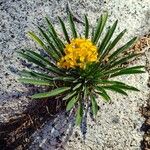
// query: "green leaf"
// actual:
[[100, 27], [118, 84], [54, 92], [85, 92], [71, 103], [117, 70], [44, 34], [55, 51], [38, 41], [100, 81], [54, 36], [125, 59], [104, 96], [107, 37], [52, 51], [33, 74], [34, 81], [79, 115], [115, 88], [41, 63], [124, 72], [123, 48], [50, 66], [135, 67], [51, 28], [92, 69], [108, 72], [86, 27], [72, 26], [92, 34], [39, 58], [60, 78], [111, 45], [103, 93], [116, 40], [31, 59], [77, 86], [58, 43], [127, 87], [64, 30], [94, 105], [69, 95], [61, 42]]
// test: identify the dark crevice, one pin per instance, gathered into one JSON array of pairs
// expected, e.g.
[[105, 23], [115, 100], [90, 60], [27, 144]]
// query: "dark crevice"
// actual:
[[145, 143], [16, 134], [145, 111]]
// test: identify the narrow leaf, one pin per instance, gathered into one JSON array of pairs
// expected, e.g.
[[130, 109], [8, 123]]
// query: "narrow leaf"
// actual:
[[123, 48], [107, 37], [94, 105], [118, 84], [108, 82], [122, 70], [77, 86], [58, 43], [51, 28], [38, 40], [79, 115], [54, 92], [122, 60], [40, 63], [71, 103], [85, 92], [116, 40], [86, 27], [39, 57], [103, 93], [72, 25], [52, 51], [64, 30], [114, 88], [111, 45], [92, 34], [33, 74], [100, 27], [69, 95], [63, 78], [126, 72], [44, 61], [127, 87], [34, 81], [31, 59]]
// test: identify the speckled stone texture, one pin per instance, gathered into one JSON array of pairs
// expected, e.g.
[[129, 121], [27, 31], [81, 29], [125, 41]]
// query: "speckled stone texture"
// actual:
[[118, 124]]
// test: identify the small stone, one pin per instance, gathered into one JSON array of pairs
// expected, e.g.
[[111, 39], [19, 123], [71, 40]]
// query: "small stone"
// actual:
[[115, 120]]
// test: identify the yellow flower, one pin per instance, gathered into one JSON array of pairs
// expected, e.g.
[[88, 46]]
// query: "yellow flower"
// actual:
[[78, 53]]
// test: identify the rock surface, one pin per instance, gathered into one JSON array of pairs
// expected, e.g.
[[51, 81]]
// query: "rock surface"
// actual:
[[118, 124]]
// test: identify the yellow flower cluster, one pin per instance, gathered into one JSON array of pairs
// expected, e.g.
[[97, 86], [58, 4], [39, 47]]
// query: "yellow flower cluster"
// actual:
[[78, 53]]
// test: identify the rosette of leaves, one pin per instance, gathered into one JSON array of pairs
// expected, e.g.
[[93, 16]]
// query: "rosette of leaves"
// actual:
[[76, 85]]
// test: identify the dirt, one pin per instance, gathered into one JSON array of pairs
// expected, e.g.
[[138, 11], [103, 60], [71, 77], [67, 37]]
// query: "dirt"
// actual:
[[145, 144], [16, 133]]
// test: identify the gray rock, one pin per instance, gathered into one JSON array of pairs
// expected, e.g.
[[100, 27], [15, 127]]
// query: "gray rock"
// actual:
[[18, 17]]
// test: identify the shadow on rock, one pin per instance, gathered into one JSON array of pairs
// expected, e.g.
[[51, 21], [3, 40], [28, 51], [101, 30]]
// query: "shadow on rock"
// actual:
[[17, 133]]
